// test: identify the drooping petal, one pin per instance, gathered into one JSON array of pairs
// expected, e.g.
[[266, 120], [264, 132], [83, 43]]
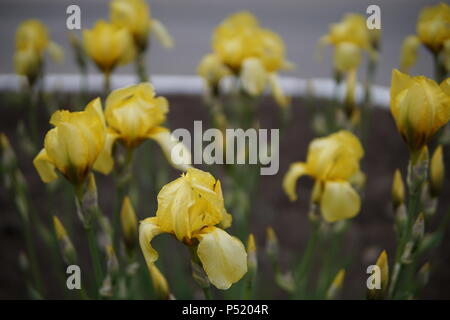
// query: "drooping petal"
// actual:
[[339, 201], [148, 229], [161, 33], [45, 166], [296, 170], [223, 257], [253, 76], [277, 91], [56, 52], [175, 151]]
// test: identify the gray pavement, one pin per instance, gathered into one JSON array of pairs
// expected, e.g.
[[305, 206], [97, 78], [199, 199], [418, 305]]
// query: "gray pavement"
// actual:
[[299, 22]]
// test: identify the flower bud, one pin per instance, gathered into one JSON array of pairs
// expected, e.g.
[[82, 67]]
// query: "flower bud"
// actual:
[[159, 282], [383, 265], [66, 247], [336, 285], [129, 224], [272, 248], [252, 259], [437, 172], [424, 274], [418, 229], [398, 189]]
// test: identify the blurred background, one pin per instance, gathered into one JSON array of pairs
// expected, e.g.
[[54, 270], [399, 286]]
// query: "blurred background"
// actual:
[[299, 22]]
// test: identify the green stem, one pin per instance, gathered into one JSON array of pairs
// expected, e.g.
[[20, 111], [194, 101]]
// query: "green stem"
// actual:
[[93, 249], [123, 180], [207, 293], [141, 69], [413, 204], [367, 105], [439, 69], [303, 269], [32, 116], [106, 84]]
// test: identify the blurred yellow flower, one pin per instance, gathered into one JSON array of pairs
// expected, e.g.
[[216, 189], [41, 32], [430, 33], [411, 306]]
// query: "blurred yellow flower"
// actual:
[[32, 40], [349, 37], [212, 69], [408, 54], [192, 208], [332, 161], [74, 145], [433, 26], [250, 52], [134, 15], [134, 114], [419, 106], [108, 45], [433, 31]]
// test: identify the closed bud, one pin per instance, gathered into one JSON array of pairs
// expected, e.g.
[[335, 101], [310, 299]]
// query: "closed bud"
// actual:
[[159, 282], [285, 281], [437, 172], [66, 247], [418, 167], [383, 265], [112, 265], [336, 285], [401, 217], [418, 228], [90, 198], [7, 154], [424, 274], [272, 243], [129, 224], [398, 189], [252, 259]]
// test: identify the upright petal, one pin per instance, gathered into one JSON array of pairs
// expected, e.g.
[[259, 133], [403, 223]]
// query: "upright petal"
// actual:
[[339, 201], [223, 257]]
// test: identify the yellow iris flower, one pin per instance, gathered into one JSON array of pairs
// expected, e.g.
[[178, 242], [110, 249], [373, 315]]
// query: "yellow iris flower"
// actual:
[[433, 31], [192, 209], [332, 161], [419, 106], [250, 52], [134, 114], [349, 37], [108, 45], [212, 69], [74, 146], [134, 15], [32, 41]]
